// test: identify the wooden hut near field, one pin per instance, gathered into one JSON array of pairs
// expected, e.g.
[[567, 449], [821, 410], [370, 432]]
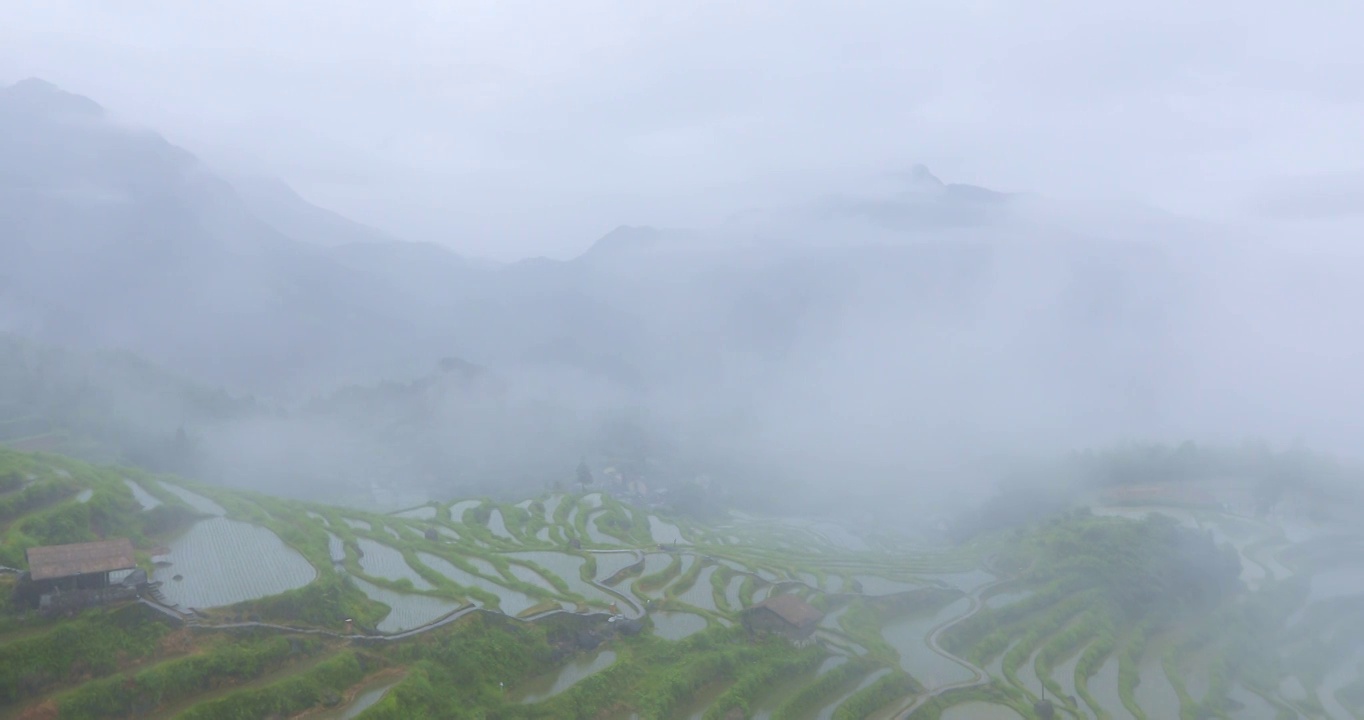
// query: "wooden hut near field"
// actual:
[[79, 574], [785, 615]]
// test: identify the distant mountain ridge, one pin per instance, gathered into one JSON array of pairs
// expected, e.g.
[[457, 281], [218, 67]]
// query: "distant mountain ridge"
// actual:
[[114, 237], [866, 330], [273, 201]]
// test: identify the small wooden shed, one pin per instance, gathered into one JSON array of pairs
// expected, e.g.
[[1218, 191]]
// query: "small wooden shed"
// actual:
[[79, 565], [784, 614]]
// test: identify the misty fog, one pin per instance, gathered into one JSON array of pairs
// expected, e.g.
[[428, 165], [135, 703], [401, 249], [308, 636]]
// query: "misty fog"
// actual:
[[855, 276], [658, 360]]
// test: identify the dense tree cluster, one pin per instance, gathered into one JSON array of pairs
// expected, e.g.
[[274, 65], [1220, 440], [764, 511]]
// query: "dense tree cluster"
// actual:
[[1152, 565]]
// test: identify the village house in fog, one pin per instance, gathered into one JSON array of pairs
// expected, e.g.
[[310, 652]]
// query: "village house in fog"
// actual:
[[69, 577], [785, 615]]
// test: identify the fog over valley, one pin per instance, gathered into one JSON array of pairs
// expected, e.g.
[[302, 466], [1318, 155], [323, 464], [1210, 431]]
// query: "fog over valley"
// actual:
[[686, 361], [887, 337]]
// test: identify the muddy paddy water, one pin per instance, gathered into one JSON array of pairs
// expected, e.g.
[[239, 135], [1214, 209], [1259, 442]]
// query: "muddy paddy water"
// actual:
[[381, 561], [336, 548], [827, 712], [909, 638], [732, 587], [877, 585], [596, 534], [510, 602], [221, 562], [764, 707], [1103, 687], [407, 610], [1064, 675], [1250, 706], [547, 686], [498, 526], [195, 500], [664, 532], [1155, 695], [366, 696], [530, 576], [552, 504], [426, 512], [966, 582], [995, 668], [458, 509], [695, 708], [610, 563], [677, 625], [1343, 675], [980, 711], [999, 600], [143, 498], [700, 594], [840, 537], [568, 567]]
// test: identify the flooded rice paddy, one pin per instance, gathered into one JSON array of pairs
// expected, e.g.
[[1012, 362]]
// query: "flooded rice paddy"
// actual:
[[498, 526], [366, 696], [677, 625], [980, 711], [426, 512], [827, 712], [907, 636], [1155, 695], [195, 500], [221, 562], [610, 563], [381, 561], [335, 548], [1103, 686], [458, 509], [407, 611], [510, 602], [576, 670], [700, 594], [143, 498], [768, 558], [665, 533]]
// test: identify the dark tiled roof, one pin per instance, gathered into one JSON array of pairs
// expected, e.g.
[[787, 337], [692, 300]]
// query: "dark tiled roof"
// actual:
[[57, 561], [792, 609]]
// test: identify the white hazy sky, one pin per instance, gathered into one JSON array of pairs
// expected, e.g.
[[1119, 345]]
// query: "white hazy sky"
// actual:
[[512, 127]]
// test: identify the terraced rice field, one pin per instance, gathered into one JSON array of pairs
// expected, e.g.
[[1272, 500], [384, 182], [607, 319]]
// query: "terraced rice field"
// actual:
[[195, 500], [746, 560], [665, 533], [677, 625], [382, 561], [407, 610], [498, 526], [335, 548], [981, 711], [575, 671], [610, 563], [221, 562], [827, 711], [421, 513], [458, 509], [906, 636], [143, 498], [511, 602], [700, 594]]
